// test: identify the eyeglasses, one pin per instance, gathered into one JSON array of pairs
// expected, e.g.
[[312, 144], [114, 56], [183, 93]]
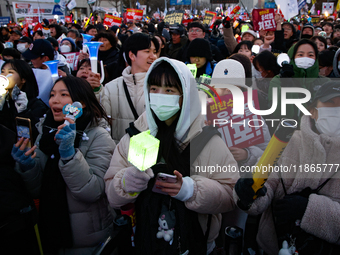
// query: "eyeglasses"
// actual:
[[195, 31]]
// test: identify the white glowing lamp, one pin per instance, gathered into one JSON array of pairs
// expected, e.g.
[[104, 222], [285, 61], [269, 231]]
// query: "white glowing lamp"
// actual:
[[143, 150]]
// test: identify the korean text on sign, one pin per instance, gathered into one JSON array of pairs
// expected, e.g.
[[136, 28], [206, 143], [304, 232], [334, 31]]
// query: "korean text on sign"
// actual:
[[110, 20], [264, 19], [174, 17], [239, 131]]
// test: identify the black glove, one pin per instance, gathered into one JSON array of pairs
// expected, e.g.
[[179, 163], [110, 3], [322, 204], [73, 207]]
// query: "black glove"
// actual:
[[290, 208], [287, 70], [246, 193], [226, 22]]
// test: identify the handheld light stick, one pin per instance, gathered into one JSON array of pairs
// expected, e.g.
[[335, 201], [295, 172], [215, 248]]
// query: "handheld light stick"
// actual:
[[143, 150], [273, 152], [73, 111], [93, 52], [4, 82], [86, 38], [53, 66], [283, 59]]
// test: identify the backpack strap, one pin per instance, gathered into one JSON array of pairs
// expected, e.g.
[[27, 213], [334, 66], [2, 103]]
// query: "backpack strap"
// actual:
[[132, 130], [198, 143], [128, 97]]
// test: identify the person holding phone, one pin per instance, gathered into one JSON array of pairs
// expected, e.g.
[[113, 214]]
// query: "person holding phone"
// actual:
[[173, 115], [22, 95], [65, 169]]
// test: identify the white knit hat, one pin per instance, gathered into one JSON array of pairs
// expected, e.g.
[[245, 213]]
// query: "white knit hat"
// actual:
[[229, 72]]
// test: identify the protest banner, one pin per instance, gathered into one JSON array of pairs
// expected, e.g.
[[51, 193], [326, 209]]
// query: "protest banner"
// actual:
[[174, 17], [185, 22], [133, 14], [209, 18], [111, 20], [239, 131], [68, 19], [72, 60], [264, 19]]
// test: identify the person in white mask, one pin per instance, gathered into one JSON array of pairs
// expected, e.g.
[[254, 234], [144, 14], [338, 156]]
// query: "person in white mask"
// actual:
[[67, 45], [23, 44], [173, 116], [312, 155], [301, 72]]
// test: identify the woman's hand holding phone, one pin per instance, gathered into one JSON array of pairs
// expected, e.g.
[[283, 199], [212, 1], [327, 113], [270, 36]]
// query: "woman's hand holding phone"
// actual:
[[23, 155], [171, 188]]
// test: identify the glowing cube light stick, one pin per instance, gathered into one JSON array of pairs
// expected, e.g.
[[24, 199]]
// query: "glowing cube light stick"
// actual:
[[143, 150], [193, 69]]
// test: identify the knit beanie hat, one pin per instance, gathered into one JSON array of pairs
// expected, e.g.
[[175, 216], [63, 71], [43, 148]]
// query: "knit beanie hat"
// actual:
[[200, 47]]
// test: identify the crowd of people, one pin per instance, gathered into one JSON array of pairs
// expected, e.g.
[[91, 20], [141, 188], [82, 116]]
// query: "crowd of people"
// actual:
[[62, 187]]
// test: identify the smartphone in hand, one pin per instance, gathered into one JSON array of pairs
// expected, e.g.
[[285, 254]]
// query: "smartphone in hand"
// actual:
[[24, 129], [161, 177]]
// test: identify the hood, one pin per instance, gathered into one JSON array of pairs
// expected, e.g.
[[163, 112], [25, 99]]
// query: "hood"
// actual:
[[335, 64], [311, 72], [191, 106], [307, 26], [293, 29]]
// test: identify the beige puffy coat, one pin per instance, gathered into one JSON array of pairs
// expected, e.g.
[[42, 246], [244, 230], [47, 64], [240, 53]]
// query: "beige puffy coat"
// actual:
[[212, 191], [322, 215], [116, 104]]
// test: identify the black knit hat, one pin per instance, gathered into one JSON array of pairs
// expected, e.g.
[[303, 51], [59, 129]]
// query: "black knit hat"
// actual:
[[196, 24], [200, 48]]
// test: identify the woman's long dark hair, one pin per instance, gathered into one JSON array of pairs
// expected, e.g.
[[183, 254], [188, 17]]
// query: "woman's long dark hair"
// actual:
[[80, 90], [170, 148], [30, 87]]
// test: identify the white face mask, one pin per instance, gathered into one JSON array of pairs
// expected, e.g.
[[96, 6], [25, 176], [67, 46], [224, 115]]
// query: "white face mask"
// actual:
[[21, 47], [65, 49], [304, 62], [328, 121], [164, 106]]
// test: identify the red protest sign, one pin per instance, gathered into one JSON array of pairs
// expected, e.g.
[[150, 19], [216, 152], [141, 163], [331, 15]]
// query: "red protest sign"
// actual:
[[239, 131], [37, 27], [209, 18], [185, 22], [68, 19], [134, 14], [264, 19], [72, 59], [110, 20]]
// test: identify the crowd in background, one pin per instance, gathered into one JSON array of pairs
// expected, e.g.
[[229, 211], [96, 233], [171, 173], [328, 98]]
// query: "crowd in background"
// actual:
[[73, 177]]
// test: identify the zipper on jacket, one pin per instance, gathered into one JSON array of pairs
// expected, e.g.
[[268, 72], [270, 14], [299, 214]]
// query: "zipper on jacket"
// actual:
[[134, 79]]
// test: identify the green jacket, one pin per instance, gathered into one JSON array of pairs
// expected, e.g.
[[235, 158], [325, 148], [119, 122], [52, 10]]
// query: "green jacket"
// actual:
[[303, 78]]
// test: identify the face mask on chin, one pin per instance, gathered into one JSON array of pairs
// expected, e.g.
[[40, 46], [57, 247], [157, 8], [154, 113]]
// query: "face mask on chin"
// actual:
[[164, 106], [328, 121]]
